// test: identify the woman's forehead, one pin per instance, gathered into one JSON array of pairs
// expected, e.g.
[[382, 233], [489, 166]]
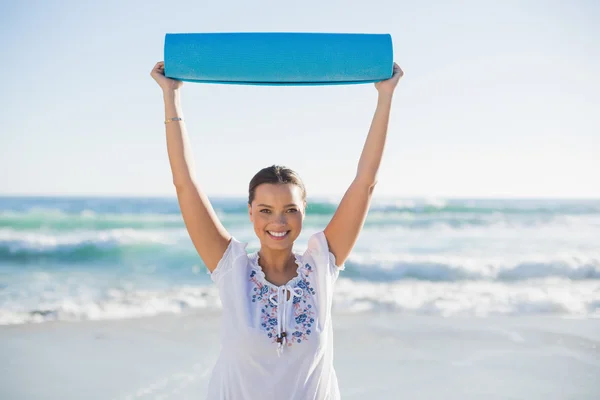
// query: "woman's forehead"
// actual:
[[278, 193]]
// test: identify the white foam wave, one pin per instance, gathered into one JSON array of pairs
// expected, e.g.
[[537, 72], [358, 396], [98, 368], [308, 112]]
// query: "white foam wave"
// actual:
[[51, 214], [473, 298], [475, 266], [16, 240], [116, 304], [550, 296]]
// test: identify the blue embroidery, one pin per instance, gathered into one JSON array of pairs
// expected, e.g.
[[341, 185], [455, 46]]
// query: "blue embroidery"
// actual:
[[262, 291], [300, 318], [303, 312]]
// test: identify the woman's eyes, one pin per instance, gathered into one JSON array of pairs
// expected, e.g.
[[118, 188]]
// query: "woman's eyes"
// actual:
[[267, 211]]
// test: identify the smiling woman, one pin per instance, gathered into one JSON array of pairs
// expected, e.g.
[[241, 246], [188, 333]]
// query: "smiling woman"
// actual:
[[277, 203], [277, 340]]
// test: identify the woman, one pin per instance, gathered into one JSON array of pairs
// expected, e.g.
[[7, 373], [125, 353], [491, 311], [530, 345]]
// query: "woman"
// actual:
[[277, 340]]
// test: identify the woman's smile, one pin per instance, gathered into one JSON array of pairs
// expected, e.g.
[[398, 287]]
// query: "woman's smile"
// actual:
[[278, 235]]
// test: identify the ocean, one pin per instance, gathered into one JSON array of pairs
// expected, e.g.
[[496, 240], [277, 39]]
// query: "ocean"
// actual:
[[77, 258]]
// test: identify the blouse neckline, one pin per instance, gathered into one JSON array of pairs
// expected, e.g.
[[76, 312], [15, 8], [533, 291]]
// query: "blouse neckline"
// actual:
[[254, 258]]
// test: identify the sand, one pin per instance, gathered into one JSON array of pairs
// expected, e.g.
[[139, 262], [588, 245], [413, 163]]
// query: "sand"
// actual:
[[383, 356]]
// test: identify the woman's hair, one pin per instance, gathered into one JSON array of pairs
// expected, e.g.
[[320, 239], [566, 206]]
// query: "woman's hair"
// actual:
[[275, 174]]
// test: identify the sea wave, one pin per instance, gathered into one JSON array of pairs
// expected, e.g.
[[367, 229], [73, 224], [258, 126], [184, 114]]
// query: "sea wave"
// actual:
[[144, 215], [175, 248], [317, 216], [542, 297], [115, 304], [472, 298], [58, 220], [31, 246], [468, 268]]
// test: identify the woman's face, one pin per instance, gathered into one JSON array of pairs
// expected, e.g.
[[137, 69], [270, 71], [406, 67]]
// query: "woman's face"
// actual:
[[277, 213]]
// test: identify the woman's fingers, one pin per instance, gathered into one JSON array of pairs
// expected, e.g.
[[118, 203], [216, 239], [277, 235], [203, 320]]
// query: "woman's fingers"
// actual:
[[159, 68], [157, 71], [398, 70]]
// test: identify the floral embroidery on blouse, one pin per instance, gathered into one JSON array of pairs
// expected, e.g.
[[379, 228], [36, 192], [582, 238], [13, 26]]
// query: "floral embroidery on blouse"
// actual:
[[303, 310]]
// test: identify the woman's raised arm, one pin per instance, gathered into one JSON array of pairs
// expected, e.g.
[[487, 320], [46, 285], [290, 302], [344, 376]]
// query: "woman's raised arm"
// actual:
[[209, 236], [347, 221]]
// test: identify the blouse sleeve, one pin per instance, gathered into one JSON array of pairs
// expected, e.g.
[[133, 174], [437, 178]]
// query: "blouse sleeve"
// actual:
[[234, 251], [319, 249]]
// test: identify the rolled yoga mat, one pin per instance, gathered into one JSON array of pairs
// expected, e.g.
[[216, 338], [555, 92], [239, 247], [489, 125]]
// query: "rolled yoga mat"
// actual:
[[278, 58]]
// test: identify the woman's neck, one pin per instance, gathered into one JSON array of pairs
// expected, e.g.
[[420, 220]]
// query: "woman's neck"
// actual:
[[277, 261]]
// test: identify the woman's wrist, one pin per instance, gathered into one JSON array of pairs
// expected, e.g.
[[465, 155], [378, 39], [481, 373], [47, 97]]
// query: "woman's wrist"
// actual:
[[384, 98], [383, 94], [170, 92], [171, 95]]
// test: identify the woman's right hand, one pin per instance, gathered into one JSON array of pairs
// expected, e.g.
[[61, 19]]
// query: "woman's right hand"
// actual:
[[158, 74]]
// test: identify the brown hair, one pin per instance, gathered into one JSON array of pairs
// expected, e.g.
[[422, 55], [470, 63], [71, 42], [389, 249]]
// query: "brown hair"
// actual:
[[275, 174]]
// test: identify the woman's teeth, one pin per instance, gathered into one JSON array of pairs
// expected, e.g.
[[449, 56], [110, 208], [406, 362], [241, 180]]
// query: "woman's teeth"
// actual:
[[277, 234]]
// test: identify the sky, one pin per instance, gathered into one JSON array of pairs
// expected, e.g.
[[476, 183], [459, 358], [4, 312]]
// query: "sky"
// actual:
[[499, 99]]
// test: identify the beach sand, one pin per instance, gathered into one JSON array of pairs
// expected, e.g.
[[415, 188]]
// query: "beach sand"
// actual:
[[377, 355]]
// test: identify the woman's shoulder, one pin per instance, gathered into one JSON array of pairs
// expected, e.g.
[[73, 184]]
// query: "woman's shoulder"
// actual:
[[235, 255], [319, 254]]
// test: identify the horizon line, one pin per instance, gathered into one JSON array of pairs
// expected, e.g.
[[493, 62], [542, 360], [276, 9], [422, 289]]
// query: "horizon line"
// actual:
[[316, 196]]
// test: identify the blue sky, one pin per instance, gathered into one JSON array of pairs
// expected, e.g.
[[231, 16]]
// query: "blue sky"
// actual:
[[500, 99]]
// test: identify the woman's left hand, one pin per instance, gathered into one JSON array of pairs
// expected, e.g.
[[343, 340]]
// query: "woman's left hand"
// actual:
[[387, 86]]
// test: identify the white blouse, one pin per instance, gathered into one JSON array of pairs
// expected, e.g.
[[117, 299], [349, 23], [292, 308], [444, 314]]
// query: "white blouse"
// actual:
[[272, 346]]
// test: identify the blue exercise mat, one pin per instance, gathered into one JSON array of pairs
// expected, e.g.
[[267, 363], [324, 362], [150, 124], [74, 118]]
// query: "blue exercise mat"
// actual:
[[253, 58]]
